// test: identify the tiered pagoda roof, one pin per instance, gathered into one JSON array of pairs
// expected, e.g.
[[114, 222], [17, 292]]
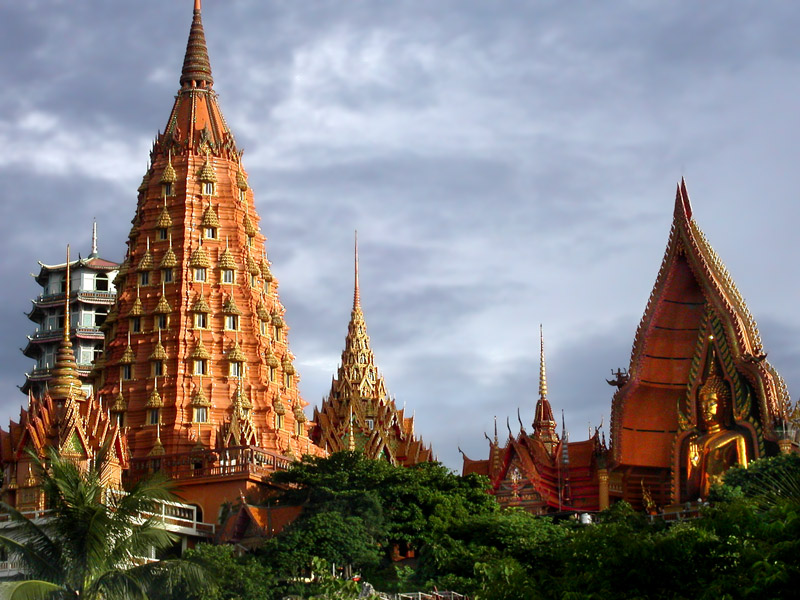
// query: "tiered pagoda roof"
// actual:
[[65, 418], [186, 285], [541, 472], [358, 413]]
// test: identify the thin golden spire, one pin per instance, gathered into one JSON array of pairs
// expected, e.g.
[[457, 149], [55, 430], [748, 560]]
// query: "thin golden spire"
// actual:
[[67, 283], [542, 368], [356, 290]]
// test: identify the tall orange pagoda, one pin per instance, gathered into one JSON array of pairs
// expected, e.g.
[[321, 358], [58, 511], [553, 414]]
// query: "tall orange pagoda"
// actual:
[[358, 413], [197, 366], [700, 395]]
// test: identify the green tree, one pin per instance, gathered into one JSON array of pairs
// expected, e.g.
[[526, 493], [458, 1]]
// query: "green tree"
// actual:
[[232, 577], [89, 545]]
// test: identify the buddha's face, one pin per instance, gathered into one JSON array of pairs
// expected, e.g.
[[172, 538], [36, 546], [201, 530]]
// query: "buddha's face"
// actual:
[[709, 406]]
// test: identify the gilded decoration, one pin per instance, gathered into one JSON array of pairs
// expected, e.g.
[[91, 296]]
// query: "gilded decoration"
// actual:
[[199, 258], [210, 218]]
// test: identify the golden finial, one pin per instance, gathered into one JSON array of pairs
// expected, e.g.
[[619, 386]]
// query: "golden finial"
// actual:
[[542, 368], [356, 291]]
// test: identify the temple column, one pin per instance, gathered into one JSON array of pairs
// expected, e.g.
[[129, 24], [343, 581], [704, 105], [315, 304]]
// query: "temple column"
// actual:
[[602, 478]]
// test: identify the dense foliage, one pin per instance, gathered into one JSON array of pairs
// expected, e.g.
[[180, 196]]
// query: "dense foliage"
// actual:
[[362, 516], [361, 512]]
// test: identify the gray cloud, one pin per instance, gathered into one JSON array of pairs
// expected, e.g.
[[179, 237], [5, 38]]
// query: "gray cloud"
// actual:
[[505, 164]]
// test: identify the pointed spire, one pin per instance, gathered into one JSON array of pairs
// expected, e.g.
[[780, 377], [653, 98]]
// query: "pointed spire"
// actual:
[[542, 368], [356, 290], [93, 253], [196, 66], [65, 371], [544, 425]]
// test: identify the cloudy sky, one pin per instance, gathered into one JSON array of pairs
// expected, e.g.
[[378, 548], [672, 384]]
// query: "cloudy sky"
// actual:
[[505, 163]]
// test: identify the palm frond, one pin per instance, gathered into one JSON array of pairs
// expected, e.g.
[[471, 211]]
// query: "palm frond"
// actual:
[[27, 590]]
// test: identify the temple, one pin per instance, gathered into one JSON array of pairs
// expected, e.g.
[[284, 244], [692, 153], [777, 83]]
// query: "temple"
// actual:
[[697, 345], [178, 361], [542, 472], [64, 416], [92, 294], [358, 413], [197, 367], [698, 398]]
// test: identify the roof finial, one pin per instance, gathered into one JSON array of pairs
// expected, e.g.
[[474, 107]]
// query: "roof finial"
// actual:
[[683, 206], [66, 299], [542, 368], [93, 253], [356, 290], [196, 66]]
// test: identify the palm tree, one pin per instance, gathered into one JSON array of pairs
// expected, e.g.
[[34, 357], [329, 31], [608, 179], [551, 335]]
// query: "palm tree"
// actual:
[[91, 542]]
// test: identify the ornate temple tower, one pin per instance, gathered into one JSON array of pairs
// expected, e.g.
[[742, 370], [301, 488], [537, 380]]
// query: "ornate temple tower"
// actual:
[[92, 294], [700, 396], [64, 417], [197, 364], [540, 472], [358, 413]]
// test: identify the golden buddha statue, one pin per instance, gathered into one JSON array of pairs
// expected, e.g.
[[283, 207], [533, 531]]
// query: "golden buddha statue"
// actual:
[[716, 447]]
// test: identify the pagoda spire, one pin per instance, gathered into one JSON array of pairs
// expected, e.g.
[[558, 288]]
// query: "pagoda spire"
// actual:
[[358, 413], [196, 65], [65, 371], [93, 253], [544, 425], [356, 290]]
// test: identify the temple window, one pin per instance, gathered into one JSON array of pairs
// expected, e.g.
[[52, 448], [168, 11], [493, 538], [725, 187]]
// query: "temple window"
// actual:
[[208, 188], [298, 428], [101, 282], [200, 320], [278, 421], [98, 351], [136, 324], [200, 274], [370, 424], [263, 330], [227, 275], [166, 188], [242, 195], [276, 334], [249, 241], [163, 234], [201, 366], [201, 414], [157, 368], [253, 281], [153, 416], [236, 369], [231, 322], [166, 275], [120, 416], [161, 321], [288, 381], [211, 233], [266, 287], [126, 372], [272, 373], [144, 278]]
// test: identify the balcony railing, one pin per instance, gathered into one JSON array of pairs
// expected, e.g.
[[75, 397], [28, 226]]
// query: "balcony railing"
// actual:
[[236, 461], [82, 295]]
